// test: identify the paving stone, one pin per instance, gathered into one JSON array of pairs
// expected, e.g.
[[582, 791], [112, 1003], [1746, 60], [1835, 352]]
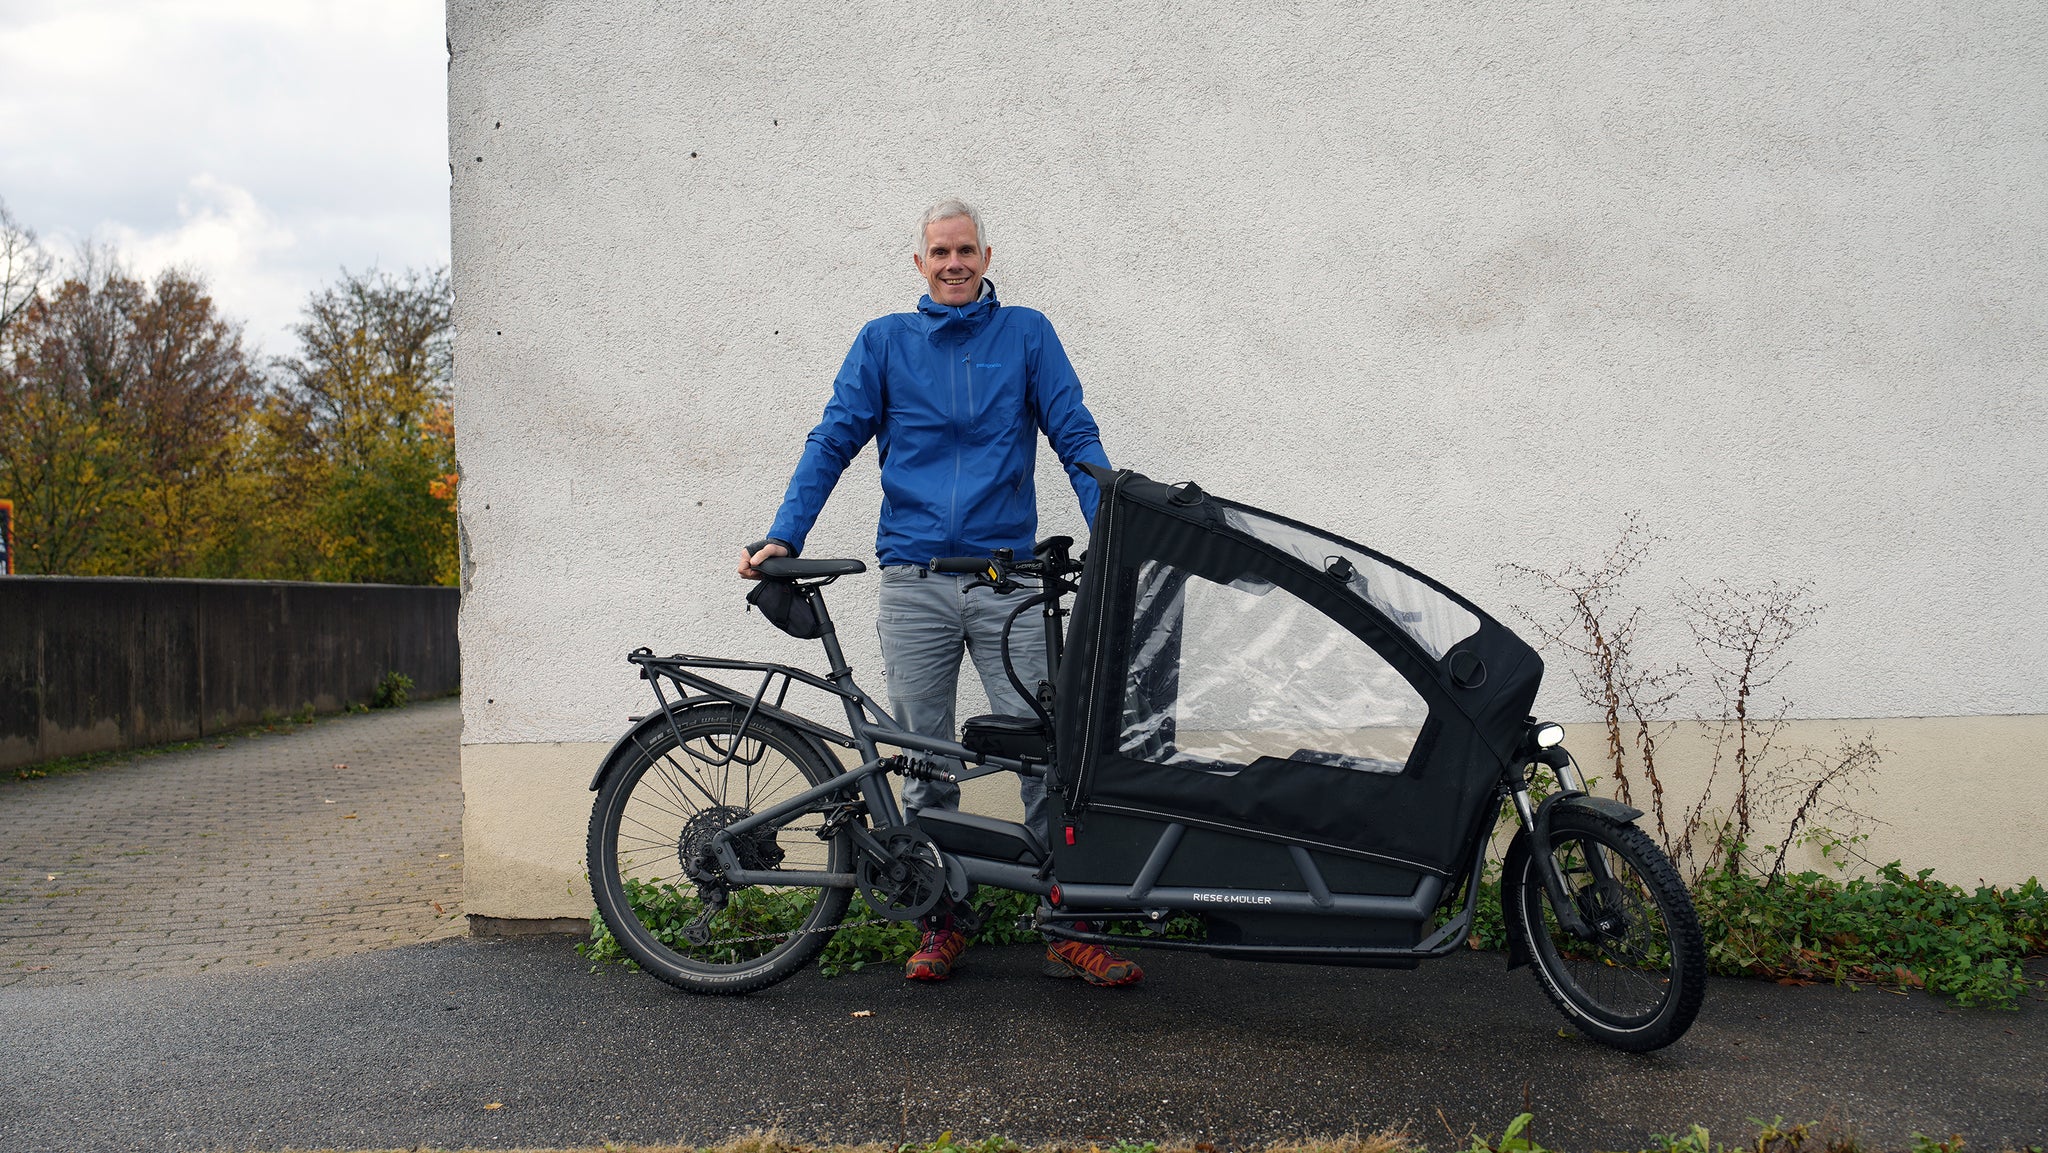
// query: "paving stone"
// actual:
[[230, 857]]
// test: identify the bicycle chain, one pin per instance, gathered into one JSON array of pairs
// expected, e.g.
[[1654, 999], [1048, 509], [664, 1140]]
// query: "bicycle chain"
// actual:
[[796, 933]]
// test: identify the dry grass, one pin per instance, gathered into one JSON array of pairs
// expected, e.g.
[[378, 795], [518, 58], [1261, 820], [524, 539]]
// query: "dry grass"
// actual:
[[771, 1141]]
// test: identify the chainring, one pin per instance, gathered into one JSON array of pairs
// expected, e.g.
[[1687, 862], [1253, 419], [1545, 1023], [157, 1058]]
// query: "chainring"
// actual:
[[906, 884]]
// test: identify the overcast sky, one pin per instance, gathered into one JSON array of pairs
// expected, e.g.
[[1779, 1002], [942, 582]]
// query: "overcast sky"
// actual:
[[263, 143]]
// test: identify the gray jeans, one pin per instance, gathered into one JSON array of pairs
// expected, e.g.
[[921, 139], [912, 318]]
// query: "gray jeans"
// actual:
[[925, 621]]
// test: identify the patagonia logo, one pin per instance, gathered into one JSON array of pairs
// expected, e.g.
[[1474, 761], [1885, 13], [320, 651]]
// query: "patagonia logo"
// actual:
[[992, 364]]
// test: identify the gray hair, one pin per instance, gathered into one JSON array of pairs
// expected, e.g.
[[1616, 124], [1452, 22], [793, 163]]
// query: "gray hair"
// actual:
[[947, 209]]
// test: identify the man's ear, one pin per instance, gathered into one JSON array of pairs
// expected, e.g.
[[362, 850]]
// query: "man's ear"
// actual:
[[917, 260]]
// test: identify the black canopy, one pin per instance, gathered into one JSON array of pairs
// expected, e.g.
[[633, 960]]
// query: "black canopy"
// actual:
[[1234, 669]]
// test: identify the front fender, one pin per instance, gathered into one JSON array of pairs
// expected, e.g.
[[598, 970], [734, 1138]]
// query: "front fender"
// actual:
[[1514, 868], [1613, 810]]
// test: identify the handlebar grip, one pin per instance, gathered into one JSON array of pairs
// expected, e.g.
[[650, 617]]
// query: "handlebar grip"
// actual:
[[961, 564]]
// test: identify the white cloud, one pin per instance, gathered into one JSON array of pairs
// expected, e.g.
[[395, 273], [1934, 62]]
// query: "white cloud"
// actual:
[[241, 249], [264, 144]]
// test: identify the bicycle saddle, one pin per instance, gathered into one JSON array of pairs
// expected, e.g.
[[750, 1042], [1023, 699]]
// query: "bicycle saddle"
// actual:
[[789, 568]]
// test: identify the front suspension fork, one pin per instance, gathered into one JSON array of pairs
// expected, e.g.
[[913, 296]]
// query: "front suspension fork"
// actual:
[[1536, 825]]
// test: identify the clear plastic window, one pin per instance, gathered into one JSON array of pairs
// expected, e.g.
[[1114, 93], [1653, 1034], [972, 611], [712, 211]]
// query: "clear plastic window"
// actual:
[[1221, 675], [1435, 621]]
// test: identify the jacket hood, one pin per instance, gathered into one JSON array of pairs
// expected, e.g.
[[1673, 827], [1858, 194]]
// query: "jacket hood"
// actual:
[[945, 322]]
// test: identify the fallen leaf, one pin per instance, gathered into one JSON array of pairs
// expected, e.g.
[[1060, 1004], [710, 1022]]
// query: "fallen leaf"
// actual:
[[41, 968], [50, 877], [348, 816], [220, 746], [437, 907], [341, 766], [442, 856], [325, 801], [495, 1105], [863, 1012]]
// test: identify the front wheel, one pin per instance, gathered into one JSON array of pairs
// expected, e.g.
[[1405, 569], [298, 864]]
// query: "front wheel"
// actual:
[[1637, 983], [657, 808]]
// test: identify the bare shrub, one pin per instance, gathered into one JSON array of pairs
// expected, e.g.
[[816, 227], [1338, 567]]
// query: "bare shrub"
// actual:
[[1740, 635]]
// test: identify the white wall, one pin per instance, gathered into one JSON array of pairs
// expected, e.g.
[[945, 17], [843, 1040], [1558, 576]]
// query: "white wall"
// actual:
[[1467, 283]]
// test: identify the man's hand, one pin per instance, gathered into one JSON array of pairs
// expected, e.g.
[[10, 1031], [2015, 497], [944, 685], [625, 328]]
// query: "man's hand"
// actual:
[[748, 559]]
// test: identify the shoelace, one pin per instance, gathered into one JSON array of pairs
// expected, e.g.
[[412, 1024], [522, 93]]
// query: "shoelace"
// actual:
[[1092, 957]]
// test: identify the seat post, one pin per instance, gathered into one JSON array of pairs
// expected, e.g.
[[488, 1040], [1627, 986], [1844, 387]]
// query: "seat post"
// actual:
[[829, 636]]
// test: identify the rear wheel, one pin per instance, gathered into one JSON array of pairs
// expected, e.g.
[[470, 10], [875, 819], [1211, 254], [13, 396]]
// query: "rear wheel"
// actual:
[[648, 853], [1637, 982]]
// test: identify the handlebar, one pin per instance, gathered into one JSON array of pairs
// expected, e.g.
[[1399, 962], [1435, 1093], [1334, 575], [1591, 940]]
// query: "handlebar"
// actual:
[[1051, 563], [1050, 558]]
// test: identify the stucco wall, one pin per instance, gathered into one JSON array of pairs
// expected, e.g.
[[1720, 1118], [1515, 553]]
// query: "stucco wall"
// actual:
[[1468, 284]]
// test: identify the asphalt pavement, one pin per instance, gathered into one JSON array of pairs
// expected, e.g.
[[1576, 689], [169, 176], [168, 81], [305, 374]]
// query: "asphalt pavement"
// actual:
[[411, 1045], [247, 948]]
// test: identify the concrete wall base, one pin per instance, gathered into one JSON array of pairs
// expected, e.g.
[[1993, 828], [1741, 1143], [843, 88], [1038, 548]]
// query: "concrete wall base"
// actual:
[[527, 926], [1955, 794]]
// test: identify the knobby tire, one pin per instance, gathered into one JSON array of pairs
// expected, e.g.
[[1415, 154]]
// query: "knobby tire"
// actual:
[[661, 797], [1638, 984]]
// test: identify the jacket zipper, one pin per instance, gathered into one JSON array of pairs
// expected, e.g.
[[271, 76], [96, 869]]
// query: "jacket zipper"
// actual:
[[953, 497]]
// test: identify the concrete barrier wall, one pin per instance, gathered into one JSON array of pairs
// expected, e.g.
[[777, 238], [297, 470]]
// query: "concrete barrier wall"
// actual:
[[95, 663]]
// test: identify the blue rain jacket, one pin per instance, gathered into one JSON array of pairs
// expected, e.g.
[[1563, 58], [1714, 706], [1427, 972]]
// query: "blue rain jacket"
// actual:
[[954, 399]]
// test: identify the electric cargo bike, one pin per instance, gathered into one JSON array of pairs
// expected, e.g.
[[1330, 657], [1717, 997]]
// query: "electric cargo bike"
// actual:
[[1301, 742]]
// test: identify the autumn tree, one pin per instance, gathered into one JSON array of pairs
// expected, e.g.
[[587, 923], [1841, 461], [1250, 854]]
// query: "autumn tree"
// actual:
[[24, 265], [119, 416], [358, 433], [138, 437]]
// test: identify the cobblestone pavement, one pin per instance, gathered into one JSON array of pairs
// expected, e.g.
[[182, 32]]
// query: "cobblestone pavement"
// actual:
[[337, 838]]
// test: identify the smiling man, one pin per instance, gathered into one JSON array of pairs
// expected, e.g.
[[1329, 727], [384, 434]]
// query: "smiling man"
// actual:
[[954, 395]]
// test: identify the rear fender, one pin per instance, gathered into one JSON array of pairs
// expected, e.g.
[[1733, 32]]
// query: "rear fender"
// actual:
[[637, 735], [654, 722]]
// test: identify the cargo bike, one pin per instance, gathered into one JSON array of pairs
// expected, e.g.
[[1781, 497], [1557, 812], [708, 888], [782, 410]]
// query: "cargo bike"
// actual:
[[1301, 742]]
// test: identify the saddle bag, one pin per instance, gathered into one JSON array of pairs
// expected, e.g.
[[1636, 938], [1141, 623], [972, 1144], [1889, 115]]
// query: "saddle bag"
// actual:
[[788, 606]]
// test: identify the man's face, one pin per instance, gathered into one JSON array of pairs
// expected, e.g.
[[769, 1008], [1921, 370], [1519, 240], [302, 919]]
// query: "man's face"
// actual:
[[953, 261]]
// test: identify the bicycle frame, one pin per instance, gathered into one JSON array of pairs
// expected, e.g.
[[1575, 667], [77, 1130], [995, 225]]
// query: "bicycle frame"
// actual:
[[1171, 786], [870, 725]]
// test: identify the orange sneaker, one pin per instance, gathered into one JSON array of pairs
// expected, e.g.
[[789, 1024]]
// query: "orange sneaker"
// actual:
[[1092, 963], [936, 953]]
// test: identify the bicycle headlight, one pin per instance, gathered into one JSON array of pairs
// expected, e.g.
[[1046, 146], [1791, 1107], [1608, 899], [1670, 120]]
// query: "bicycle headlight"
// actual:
[[1548, 735]]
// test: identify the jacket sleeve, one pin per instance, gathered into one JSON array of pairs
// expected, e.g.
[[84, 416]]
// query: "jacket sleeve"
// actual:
[[1055, 398], [850, 420]]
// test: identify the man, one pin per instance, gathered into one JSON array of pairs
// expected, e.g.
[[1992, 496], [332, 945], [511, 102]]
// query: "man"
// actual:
[[954, 394]]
